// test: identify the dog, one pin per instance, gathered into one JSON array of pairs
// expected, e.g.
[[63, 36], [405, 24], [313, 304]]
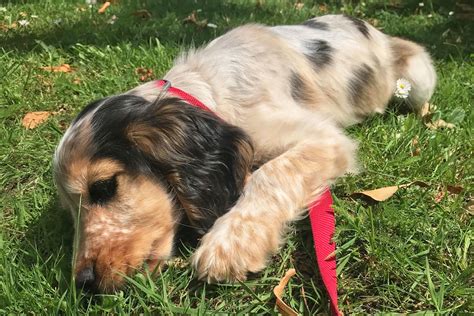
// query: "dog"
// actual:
[[135, 167]]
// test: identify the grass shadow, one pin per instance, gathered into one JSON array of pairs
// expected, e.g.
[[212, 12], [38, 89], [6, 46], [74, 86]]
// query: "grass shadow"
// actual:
[[48, 244]]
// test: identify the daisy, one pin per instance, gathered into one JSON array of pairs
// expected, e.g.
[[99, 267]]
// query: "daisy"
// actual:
[[403, 88], [23, 22]]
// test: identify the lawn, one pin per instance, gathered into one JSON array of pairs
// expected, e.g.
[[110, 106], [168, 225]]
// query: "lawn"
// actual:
[[411, 253]]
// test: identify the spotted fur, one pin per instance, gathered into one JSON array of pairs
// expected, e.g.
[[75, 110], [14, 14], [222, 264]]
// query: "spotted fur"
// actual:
[[140, 165]]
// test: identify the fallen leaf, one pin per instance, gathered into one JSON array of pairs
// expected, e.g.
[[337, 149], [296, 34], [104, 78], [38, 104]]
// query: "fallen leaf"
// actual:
[[470, 206], [143, 14], [76, 81], [104, 7], [374, 22], [299, 5], [425, 109], [415, 148], [145, 73], [454, 189], [381, 194], [34, 119], [284, 309], [385, 193], [192, 19], [323, 8], [439, 196], [439, 124], [60, 68]]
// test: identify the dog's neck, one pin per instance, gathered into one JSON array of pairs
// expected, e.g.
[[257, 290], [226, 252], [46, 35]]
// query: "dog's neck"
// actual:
[[188, 81]]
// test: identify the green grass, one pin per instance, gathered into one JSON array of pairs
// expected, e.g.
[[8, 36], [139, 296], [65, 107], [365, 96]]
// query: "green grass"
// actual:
[[411, 253]]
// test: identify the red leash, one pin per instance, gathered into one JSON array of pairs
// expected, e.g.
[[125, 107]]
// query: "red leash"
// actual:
[[321, 215], [323, 223]]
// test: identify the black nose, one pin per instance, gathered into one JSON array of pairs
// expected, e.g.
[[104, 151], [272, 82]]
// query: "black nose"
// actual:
[[85, 279]]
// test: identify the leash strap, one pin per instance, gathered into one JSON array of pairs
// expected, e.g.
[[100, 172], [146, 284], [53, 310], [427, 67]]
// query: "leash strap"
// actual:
[[323, 223], [321, 215]]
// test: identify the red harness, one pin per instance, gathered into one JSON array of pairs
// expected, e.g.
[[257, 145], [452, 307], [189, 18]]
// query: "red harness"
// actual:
[[321, 215]]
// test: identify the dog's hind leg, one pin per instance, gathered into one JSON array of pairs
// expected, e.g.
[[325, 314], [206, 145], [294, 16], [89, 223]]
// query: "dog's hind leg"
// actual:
[[242, 240], [413, 63]]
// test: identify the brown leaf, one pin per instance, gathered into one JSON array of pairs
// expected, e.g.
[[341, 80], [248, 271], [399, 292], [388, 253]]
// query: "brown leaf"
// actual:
[[60, 68], [385, 193], [34, 119], [439, 196], [144, 73], [284, 309], [439, 124], [454, 189], [415, 148], [192, 19], [104, 7], [470, 206], [142, 14], [425, 109], [381, 194], [323, 8], [299, 5]]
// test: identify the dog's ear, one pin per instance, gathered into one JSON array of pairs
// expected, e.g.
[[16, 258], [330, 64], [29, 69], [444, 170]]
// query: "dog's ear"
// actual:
[[204, 160]]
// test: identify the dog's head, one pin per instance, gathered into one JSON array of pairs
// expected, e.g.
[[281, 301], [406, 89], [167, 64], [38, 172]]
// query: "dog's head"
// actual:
[[131, 171]]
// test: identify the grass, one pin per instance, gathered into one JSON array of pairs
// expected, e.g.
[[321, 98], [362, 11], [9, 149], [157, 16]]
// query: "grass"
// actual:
[[412, 253]]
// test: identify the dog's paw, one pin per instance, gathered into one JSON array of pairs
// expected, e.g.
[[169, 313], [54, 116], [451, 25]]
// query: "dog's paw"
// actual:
[[233, 248]]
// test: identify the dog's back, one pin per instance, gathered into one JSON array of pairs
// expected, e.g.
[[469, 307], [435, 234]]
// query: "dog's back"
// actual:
[[338, 65]]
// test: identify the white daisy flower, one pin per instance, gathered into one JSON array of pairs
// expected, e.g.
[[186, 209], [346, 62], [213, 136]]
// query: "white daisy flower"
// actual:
[[23, 22], [403, 88]]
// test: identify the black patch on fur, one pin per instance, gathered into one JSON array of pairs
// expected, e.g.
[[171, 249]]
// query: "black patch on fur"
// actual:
[[299, 89], [89, 108], [362, 80], [102, 191], [315, 24], [321, 53], [193, 153], [361, 25]]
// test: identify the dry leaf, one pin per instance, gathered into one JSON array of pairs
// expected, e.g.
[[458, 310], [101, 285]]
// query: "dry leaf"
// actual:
[[299, 5], [61, 68], [425, 110], [104, 7], [192, 18], [143, 14], [439, 124], [454, 189], [374, 22], [284, 309], [470, 207], [385, 193], [439, 196], [323, 8], [34, 119], [415, 148], [145, 73]]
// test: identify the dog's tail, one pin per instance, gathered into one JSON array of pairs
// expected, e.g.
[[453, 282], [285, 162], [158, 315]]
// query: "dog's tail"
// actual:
[[414, 64]]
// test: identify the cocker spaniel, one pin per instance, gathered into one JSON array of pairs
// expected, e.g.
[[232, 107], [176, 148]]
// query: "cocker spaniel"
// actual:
[[132, 168]]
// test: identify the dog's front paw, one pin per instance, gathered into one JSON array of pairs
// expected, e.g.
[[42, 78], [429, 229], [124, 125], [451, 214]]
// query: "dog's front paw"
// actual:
[[234, 247]]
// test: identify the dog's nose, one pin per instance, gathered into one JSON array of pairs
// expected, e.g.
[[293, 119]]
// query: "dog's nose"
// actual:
[[85, 279]]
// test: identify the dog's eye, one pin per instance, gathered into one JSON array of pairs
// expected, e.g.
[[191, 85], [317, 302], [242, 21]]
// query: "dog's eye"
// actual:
[[102, 191]]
